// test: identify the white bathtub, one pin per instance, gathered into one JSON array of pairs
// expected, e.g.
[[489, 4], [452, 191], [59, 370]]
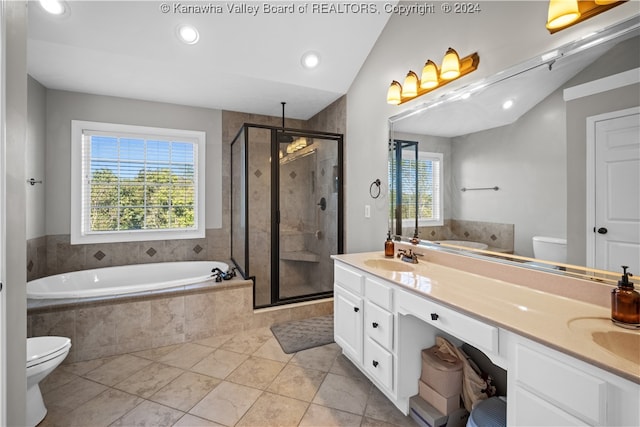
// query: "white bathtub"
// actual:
[[464, 243], [121, 280]]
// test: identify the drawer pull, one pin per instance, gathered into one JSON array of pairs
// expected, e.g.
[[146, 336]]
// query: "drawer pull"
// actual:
[[356, 309], [374, 324], [434, 316], [375, 363]]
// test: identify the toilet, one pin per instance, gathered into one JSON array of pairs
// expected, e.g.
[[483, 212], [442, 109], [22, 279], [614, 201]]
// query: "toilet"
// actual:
[[552, 249], [44, 354]]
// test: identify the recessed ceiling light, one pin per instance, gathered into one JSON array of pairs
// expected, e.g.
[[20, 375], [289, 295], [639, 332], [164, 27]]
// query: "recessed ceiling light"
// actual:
[[507, 104], [310, 60], [54, 7], [188, 34]]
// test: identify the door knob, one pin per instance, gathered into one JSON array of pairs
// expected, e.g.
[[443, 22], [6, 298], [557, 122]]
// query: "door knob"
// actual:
[[602, 230]]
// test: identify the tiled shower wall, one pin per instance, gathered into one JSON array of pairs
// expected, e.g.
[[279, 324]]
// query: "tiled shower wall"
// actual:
[[53, 254]]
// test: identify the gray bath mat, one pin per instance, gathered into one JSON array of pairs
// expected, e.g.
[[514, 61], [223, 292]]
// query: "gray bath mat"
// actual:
[[303, 334]]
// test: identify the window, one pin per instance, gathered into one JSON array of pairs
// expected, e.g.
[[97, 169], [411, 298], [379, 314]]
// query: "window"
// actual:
[[132, 183], [428, 188]]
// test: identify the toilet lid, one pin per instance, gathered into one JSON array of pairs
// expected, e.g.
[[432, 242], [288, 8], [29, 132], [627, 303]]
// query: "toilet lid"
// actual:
[[40, 348]]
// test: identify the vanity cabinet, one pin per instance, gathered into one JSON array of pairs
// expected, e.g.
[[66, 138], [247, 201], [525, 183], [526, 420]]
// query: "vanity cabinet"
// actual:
[[549, 388], [348, 312], [381, 327]]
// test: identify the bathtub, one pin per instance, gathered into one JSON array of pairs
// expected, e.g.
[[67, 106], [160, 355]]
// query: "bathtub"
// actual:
[[122, 280], [464, 243]]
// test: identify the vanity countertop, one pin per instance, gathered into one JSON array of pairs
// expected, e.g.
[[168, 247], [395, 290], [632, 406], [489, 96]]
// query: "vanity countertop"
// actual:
[[577, 328]]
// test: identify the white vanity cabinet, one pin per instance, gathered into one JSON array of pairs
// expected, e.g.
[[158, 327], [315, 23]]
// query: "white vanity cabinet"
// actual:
[[549, 388], [348, 311], [382, 326]]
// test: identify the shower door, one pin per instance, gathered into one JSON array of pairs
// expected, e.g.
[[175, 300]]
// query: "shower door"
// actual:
[[309, 212]]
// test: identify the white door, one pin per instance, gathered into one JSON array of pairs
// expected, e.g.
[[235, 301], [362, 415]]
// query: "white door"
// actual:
[[616, 181]]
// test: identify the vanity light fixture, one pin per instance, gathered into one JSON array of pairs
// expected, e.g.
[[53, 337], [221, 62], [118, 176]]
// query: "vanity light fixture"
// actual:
[[187, 34], [452, 68], [565, 13]]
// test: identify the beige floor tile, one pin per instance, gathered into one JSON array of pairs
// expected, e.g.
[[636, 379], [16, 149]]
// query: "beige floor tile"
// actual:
[[216, 341], [272, 350], [226, 404], [185, 391], [318, 358], [248, 342], [191, 421], [149, 379], [321, 416], [372, 422], [117, 369], [82, 368], [55, 379], [220, 363], [186, 355], [273, 410], [343, 366], [256, 372], [297, 382], [156, 353], [344, 393], [149, 414], [71, 395], [381, 408], [104, 409]]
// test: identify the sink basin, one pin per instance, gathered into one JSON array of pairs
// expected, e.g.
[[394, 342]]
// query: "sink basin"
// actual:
[[389, 265], [623, 343]]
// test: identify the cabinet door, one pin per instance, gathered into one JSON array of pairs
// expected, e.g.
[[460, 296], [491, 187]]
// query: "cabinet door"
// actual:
[[348, 318]]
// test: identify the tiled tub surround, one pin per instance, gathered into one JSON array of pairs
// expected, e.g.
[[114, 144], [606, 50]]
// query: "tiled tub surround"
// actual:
[[118, 325], [499, 237], [49, 255]]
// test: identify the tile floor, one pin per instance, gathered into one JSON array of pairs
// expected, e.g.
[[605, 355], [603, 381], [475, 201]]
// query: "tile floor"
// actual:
[[242, 379]]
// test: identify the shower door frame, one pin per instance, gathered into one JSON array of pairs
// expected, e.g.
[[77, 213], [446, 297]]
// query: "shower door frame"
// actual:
[[275, 208]]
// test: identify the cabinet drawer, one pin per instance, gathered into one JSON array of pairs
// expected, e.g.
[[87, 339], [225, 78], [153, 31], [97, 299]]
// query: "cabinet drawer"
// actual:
[[379, 325], [379, 293], [379, 363], [534, 411], [468, 329], [349, 279], [562, 385]]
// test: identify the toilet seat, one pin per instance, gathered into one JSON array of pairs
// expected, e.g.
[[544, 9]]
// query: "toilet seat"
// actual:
[[43, 349]]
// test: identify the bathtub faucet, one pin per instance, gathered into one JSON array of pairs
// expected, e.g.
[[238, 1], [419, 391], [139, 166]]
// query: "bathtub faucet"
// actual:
[[219, 275]]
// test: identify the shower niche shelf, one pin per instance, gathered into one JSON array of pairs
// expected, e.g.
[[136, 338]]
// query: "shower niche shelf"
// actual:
[[304, 256]]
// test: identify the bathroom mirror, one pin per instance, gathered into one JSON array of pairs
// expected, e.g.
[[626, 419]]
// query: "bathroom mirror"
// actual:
[[507, 158]]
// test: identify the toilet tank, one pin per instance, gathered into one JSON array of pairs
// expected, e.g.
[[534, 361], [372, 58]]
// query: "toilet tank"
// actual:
[[550, 248]]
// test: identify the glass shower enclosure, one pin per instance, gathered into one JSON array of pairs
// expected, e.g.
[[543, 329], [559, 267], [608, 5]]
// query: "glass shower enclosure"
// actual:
[[286, 211]]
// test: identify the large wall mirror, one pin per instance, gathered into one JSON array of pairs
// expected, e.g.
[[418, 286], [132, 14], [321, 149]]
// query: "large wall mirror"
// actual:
[[493, 166]]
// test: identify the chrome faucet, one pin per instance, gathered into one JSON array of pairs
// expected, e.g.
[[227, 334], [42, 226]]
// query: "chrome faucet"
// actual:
[[407, 255]]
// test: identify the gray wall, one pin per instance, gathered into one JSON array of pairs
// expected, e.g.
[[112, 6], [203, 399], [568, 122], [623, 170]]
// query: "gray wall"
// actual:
[[62, 107], [526, 160], [14, 272], [35, 158]]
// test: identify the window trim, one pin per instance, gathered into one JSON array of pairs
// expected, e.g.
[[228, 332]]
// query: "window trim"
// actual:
[[78, 236], [410, 222]]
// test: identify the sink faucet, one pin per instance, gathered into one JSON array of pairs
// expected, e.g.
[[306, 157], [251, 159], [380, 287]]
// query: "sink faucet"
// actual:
[[407, 255]]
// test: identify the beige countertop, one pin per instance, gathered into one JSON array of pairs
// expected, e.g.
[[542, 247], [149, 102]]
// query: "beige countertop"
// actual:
[[577, 328]]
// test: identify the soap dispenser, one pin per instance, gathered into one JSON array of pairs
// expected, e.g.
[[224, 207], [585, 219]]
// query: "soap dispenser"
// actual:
[[388, 246], [625, 303]]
